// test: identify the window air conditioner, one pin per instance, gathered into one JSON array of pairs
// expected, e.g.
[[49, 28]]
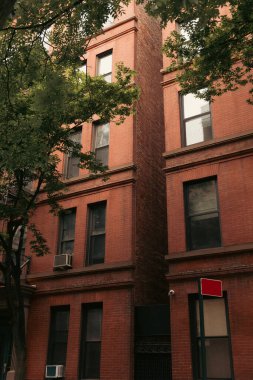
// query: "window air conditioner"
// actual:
[[63, 261], [54, 371]]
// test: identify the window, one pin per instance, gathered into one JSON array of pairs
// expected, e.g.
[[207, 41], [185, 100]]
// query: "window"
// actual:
[[16, 240], [216, 339], [202, 214], [108, 22], [71, 163], [58, 339], [24, 260], [104, 65], [67, 231], [101, 142], [83, 68], [91, 341], [189, 47], [96, 234], [196, 119]]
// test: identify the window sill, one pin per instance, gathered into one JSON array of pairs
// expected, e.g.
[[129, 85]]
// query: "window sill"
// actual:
[[227, 250], [90, 177]]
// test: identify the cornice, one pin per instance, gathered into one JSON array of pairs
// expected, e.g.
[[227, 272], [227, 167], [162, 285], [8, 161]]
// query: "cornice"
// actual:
[[220, 272], [90, 177], [210, 252], [76, 288], [168, 82], [92, 190], [116, 35], [84, 271], [205, 146]]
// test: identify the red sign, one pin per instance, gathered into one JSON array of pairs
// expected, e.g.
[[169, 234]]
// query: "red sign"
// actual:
[[211, 287]]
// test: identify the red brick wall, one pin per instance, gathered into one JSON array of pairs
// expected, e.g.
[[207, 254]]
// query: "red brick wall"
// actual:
[[231, 115], [239, 296], [229, 157], [235, 189], [135, 219], [116, 361], [118, 228], [149, 145]]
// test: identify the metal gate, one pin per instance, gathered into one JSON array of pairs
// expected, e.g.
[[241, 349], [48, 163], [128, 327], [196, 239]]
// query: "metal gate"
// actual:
[[153, 359], [152, 343]]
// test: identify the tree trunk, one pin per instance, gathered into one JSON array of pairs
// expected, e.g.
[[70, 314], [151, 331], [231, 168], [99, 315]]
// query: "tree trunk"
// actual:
[[19, 334], [15, 301], [19, 341]]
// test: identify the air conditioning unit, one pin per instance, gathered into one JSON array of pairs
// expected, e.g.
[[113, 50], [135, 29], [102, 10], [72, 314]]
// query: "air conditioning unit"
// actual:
[[63, 261], [54, 371]]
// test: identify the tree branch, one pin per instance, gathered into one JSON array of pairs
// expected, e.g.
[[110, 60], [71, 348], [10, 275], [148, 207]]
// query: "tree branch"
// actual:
[[4, 244], [48, 22], [7, 68]]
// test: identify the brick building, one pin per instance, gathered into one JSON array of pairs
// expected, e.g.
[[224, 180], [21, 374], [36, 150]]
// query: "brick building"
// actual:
[[99, 306], [108, 245], [208, 154]]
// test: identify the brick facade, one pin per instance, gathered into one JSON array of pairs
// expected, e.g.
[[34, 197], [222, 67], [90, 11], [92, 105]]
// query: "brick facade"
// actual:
[[228, 157], [135, 242], [149, 165]]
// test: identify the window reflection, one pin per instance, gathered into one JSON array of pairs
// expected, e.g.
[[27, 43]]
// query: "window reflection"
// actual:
[[196, 119]]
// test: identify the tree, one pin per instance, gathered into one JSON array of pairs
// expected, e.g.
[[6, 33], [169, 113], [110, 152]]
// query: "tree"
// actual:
[[212, 48], [6, 9], [44, 96]]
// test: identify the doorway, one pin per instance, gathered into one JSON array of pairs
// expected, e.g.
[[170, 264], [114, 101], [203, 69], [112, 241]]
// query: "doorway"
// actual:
[[5, 347]]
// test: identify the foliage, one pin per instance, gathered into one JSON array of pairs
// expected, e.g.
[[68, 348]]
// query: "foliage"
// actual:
[[41, 50], [44, 95], [65, 25], [212, 47], [36, 103]]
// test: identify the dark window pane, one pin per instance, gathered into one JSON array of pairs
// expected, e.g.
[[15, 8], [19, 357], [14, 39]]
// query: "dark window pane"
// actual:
[[69, 221], [67, 231], [98, 218], [59, 353], [202, 197], [203, 225], [102, 155], [97, 249], [92, 360], [101, 144], [91, 342], [71, 167], [218, 358], [67, 247], [94, 320], [58, 338], [205, 231], [198, 129], [96, 236], [61, 320]]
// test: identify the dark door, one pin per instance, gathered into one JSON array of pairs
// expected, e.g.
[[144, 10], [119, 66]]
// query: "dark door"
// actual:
[[152, 343], [5, 348]]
